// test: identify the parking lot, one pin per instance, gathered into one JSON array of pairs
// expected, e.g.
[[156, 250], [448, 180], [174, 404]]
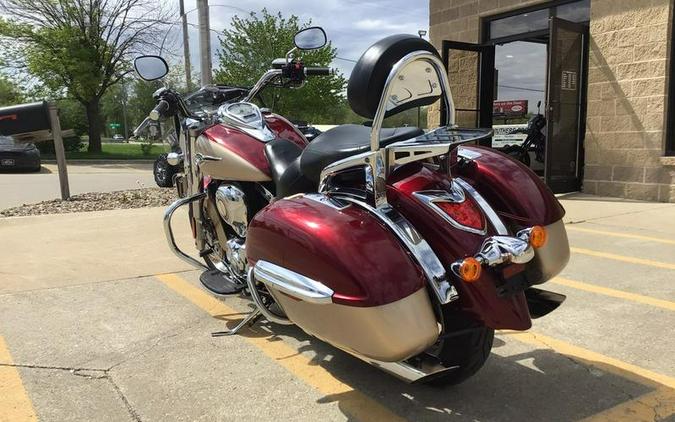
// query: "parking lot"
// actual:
[[99, 321]]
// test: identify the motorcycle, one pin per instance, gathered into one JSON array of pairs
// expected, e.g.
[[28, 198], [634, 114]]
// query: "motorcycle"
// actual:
[[535, 140], [403, 248]]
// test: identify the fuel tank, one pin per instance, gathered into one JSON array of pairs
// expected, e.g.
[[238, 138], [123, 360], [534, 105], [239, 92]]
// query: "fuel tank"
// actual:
[[242, 156], [379, 306]]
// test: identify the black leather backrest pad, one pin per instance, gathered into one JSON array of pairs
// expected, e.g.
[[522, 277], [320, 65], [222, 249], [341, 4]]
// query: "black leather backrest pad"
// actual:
[[366, 82]]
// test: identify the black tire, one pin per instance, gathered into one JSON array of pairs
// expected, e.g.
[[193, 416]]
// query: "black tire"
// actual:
[[517, 153], [468, 350], [163, 172]]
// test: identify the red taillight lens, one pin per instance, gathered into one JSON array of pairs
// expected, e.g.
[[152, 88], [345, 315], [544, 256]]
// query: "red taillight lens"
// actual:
[[465, 213]]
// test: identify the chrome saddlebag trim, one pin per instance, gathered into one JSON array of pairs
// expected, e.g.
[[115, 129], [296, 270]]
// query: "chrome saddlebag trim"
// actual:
[[292, 283], [434, 271]]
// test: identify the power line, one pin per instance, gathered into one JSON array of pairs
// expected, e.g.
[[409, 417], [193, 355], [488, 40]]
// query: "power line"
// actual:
[[521, 88], [347, 60]]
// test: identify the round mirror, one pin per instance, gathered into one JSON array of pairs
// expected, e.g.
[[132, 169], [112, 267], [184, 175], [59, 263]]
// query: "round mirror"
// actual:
[[310, 38], [151, 68]]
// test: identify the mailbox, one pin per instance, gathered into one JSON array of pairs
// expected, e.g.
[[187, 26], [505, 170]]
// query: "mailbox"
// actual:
[[25, 120]]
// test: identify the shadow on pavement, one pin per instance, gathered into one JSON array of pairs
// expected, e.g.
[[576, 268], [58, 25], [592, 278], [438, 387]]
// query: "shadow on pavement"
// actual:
[[514, 385]]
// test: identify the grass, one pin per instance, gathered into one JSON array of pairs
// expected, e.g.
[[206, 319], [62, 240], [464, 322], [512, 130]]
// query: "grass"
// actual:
[[114, 152]]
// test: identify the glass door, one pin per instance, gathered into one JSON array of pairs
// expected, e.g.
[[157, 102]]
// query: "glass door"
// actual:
[[471, 76], [562, 167]]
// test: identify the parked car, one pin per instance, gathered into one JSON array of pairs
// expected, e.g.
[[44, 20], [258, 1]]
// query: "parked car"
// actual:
[[16, 155], [118, 138]]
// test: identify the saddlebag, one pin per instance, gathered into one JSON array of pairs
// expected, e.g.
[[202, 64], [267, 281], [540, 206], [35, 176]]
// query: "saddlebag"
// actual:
[[342, 276]]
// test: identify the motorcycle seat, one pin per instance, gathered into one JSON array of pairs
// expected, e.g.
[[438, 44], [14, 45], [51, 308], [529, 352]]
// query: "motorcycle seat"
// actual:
[[284, 159], [295, 170], [345, 141]]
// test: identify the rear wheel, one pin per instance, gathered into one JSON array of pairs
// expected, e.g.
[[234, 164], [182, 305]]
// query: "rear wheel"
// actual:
[[468, 351]]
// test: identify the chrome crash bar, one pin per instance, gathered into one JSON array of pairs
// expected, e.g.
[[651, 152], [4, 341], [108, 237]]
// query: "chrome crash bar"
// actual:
[[168, 232]]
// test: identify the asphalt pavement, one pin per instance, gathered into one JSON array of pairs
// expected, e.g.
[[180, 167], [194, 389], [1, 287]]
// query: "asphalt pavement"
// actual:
[[26, 188], [99, 321]]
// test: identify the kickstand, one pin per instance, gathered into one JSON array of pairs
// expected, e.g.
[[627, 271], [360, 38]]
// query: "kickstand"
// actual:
[[249, 320]]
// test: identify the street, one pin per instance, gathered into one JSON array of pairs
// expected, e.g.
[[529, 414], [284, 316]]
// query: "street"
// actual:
[[99, 321], [26, 188]]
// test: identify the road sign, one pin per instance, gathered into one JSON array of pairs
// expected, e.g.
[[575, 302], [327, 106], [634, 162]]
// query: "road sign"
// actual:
[[115, 125]]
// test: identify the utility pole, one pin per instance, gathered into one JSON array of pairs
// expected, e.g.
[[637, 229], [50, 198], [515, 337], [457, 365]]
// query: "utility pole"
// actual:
[[186, 47], [204, 41]]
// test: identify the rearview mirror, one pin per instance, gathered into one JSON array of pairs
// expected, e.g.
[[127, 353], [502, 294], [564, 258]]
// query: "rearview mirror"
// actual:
[[151, 68], [310, 38]]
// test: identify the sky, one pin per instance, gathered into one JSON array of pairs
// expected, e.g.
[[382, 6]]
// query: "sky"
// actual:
[[351, 25]]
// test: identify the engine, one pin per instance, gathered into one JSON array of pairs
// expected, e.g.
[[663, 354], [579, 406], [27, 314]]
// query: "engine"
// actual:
[[231, 206]]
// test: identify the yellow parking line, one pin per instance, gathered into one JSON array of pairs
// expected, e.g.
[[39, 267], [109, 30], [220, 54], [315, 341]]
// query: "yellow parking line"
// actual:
[[15, 406], [352, 401], [629, 259], [645, 300], [615, 234], [590, 358], [655, 406]]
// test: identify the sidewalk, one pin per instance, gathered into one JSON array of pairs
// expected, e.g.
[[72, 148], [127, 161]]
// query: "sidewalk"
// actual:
[[26, 188]]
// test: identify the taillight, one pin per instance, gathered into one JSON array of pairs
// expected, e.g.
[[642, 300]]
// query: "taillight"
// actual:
[[465, 213]]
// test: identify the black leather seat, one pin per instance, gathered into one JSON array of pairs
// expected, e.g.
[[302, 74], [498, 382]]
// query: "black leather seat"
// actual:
[[295, 170], [284, 159], [345, 141]]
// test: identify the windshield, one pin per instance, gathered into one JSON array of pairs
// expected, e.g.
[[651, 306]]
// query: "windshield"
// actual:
[[209, 98], [6, 140]]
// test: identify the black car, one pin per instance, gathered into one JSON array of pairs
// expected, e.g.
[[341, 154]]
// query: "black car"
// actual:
[[16, 155]]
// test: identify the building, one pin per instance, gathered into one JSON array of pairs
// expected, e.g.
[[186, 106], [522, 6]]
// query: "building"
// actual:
[[603, 70]]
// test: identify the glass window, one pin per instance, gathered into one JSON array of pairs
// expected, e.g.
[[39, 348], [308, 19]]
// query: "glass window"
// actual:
[[519, 24], [579, 11]]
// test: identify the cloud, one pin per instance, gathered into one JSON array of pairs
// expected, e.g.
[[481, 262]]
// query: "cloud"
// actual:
[[351, 25]]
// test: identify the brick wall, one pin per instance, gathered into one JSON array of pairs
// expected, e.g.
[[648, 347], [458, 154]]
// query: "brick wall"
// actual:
[[626, 96], [626, 93]]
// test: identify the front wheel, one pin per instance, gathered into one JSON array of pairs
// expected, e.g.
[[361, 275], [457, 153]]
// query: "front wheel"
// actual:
[[469, 350], [163, 172]]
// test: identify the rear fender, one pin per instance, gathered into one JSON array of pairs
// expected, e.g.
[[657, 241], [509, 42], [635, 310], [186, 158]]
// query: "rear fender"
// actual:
[[479, 299]]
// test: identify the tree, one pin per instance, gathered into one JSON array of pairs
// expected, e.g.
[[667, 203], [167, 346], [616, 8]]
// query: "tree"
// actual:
[[82, 46], [10, 93], [247, 51]]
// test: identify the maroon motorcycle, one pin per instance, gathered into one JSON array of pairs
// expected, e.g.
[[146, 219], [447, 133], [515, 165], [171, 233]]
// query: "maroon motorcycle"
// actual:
[[402, 247]]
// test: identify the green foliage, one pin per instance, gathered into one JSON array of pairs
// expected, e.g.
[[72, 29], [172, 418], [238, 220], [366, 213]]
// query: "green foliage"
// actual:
[[79, 49], [10, 92], [250, 46]]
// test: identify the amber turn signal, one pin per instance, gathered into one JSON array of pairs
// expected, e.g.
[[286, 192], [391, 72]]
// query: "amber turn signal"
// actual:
[[537, 237], [469, 269]]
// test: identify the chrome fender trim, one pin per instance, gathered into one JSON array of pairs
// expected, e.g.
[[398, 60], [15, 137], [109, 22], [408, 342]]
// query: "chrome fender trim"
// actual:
[[168, 232], [434, 271], [484, 205], [499, 249], [292, 283]]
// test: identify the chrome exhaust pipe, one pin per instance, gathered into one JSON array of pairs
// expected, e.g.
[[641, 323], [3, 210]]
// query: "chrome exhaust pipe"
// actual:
[[418, 372]]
